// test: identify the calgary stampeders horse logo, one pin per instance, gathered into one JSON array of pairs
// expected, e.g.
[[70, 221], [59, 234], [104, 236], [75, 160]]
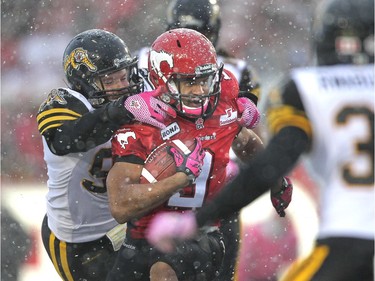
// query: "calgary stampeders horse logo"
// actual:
[[77, 58]]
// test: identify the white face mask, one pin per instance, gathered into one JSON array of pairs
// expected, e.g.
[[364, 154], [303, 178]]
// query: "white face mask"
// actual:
[[195, 110]]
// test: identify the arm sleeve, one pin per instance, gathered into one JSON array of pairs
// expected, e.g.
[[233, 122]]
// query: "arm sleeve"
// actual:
[[263, 171], [69, 127], [81, 134]]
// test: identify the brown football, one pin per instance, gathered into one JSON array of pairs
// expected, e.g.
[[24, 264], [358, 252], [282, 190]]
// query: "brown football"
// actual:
[[160, 164]]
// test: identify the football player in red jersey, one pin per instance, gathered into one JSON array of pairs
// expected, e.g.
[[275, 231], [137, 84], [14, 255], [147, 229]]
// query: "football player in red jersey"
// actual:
[[183, 66], [324, 115], [205, 17]]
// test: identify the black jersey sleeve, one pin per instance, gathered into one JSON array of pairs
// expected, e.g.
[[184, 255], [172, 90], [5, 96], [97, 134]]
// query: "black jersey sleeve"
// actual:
[[290, 137], [69, 126], [263, 171]]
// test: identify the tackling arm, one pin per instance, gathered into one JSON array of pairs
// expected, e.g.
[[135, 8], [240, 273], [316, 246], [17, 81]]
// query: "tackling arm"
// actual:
[[90, 130], [249, 84], [85, 131], [264, 170]]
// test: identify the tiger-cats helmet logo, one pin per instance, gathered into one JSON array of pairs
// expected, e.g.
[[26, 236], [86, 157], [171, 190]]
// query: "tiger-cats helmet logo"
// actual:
[[77, 58]]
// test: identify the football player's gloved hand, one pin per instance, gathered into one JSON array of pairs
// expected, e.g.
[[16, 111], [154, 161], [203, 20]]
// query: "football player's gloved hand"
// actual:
[[281, 199], [146, 108], [191, 163], [115, 112], [250, 115], [167, 228]]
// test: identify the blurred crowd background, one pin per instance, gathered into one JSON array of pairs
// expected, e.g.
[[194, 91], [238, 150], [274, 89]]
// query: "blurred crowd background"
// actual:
[[272, 35]]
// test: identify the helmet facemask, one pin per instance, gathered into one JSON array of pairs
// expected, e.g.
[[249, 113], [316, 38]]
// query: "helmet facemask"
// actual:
[[100, 95], [191, 104]]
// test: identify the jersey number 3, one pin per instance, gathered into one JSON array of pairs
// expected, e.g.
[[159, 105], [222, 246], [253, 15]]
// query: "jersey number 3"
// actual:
[[363, 147]]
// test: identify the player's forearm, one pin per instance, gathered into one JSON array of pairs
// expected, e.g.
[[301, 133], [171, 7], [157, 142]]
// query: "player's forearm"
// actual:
[[132, 201], [82, 134], [263, 171], [247, 144]]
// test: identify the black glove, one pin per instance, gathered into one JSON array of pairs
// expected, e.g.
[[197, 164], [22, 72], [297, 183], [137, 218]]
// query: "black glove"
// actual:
[[115, 112]]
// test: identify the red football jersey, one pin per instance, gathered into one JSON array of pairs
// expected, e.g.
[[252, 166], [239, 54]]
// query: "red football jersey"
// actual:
[[216, 133]]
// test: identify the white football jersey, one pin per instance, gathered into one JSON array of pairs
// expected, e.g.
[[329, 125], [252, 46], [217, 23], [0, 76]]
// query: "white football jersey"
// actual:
[[77, 202], [76, 214], [339, 101]]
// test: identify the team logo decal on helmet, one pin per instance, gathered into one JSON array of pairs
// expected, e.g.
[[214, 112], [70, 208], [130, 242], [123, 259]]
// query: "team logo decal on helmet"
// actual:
[[77, 58], [184, 62], [93, 55], [156, 58]]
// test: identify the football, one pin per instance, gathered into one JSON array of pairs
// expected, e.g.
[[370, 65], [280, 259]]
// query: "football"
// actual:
[[160, 164]]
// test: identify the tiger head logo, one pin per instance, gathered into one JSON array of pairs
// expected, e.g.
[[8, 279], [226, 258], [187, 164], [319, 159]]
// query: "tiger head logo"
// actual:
[[77, 58]]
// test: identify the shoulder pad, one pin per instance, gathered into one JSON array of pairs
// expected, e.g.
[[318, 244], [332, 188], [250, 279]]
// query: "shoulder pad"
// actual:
[[229, 86], [61, 105], [65, 98]]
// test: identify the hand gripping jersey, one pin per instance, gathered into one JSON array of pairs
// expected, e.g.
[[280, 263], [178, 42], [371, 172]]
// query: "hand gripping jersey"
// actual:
[[77, 202], [339, 102], [217, 133]]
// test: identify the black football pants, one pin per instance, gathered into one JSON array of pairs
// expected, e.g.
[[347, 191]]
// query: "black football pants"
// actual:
[[88, 261]]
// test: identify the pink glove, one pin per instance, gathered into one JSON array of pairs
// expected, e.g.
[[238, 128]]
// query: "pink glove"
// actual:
[[148, 109], [281, 199], [190, 164], [250, 115], [167, 228]]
